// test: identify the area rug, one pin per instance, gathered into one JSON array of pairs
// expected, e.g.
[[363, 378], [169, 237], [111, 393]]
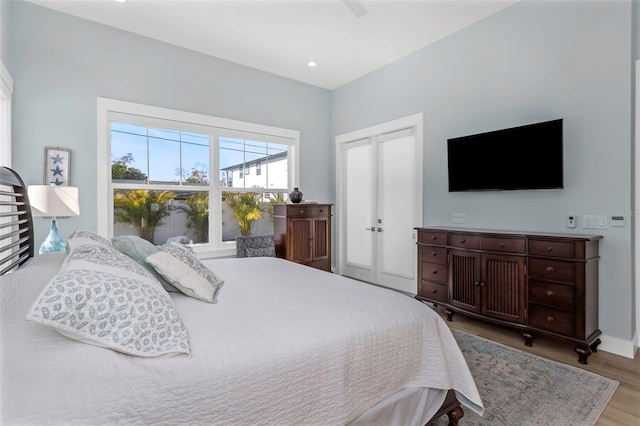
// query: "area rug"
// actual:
[[518, 388]]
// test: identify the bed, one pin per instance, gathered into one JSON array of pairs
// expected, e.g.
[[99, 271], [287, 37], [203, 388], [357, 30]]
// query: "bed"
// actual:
[[283, 344]]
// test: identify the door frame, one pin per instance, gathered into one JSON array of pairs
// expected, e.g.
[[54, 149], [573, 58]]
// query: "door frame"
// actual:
[[413, 121]]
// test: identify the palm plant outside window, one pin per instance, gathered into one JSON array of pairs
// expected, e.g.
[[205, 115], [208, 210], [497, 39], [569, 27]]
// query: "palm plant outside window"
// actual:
[[162, 180]]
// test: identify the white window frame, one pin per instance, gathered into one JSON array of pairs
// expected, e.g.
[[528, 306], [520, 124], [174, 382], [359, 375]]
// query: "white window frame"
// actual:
[[6, 96], [108, 109]]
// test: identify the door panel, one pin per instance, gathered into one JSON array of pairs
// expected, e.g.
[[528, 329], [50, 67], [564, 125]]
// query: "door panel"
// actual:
[[358, 203], [396, 183]]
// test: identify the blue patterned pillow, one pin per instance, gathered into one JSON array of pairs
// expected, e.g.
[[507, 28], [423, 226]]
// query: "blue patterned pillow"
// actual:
[[89, 235], [183, 269], [99, 254], [122, 313]]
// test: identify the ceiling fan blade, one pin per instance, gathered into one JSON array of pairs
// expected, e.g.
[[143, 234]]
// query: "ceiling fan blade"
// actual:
[[355, 7]]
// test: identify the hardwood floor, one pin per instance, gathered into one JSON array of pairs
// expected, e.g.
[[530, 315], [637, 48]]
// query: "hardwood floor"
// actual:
[[624, 407]]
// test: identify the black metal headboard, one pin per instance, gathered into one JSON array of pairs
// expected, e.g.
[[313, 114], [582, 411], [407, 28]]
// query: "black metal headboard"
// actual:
[[16, 223]]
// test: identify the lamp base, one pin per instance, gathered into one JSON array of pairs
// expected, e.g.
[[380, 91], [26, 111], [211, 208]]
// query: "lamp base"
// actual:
[[54, 242]]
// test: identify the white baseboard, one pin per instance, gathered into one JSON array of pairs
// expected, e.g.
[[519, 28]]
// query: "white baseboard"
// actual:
[[618, 346]]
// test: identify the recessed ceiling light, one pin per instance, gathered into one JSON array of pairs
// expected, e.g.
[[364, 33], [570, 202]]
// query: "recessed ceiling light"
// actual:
[[312, 64], [120, 1]]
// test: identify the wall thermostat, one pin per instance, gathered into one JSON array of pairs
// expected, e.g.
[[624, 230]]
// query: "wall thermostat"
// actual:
[[618, 220]]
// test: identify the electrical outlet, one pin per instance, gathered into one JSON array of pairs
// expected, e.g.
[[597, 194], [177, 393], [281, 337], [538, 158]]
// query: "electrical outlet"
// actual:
[[571, 220], [459, 217]]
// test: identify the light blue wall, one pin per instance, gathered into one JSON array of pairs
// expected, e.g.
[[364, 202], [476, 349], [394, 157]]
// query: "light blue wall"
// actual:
[[532, 62], [61, 64], [4, 34]]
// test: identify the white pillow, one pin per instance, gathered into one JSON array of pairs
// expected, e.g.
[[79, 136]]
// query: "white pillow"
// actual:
[[185, 272], [120, 312]]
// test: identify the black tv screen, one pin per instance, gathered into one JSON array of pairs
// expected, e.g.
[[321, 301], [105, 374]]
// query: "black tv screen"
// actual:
[[524, 157]]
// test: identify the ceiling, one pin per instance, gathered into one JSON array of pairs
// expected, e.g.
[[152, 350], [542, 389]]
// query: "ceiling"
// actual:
[[347, 38]]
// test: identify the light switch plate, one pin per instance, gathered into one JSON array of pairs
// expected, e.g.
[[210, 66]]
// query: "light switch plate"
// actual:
[[459, 217], [594, 221]]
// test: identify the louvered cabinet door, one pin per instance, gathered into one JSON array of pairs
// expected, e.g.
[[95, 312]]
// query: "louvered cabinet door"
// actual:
[[300, 239], [321, 238], [464, 286], [503, 287]]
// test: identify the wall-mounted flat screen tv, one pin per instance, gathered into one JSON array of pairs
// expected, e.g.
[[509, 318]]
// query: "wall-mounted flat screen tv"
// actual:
[[524, 157]]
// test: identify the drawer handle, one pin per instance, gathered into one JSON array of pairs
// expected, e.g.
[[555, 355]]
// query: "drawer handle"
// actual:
[[550, 248], [321, 211], [435, 237], [549, 293], [435, 290], [301, 211], [462, 241], [549, 268], [501, 244], [435, 271], [434, 253], [550, 318], [477, 283]]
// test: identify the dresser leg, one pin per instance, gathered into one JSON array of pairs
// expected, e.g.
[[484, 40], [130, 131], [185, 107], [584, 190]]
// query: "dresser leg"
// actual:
[[594, 345], [583, 354], [455, 415], [528, 338], [449, 313]]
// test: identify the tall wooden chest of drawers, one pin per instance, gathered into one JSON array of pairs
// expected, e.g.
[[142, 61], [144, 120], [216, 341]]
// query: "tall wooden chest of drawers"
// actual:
[[302, 234], [538, 283]]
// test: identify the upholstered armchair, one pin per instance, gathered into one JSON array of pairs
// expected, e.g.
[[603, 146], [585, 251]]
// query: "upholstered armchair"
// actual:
[[256, 246]]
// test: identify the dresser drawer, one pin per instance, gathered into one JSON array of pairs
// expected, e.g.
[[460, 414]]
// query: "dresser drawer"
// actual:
[[552, 270], [306, 210], [551, 248], [433, 254], [434, 272], [555, 295], [511, 245], [464, 241], [433, 291], [550, 319], [428, 237]]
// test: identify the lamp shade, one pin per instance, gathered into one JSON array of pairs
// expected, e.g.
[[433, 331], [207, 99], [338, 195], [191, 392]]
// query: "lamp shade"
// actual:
[[54, 201]]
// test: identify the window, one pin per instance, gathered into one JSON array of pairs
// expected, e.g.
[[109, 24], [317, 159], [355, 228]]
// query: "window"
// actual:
[[258, 168], [158, 169]]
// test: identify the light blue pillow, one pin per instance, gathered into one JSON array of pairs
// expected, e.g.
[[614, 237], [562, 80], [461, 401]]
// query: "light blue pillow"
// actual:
[[139, 249]]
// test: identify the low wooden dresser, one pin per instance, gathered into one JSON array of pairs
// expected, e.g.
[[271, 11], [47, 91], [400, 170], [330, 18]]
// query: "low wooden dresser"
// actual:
[[536, 282]]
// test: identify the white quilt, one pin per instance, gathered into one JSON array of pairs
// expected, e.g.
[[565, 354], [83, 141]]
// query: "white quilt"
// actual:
[[284, 345]]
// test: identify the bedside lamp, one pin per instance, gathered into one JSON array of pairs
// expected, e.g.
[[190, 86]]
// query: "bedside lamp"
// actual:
[[53, 201]]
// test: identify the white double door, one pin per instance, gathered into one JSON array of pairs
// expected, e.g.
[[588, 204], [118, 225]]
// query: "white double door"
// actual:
[[380, 204]]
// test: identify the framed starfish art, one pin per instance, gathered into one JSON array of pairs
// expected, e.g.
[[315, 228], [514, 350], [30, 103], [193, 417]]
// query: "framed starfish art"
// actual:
[[57, 163]]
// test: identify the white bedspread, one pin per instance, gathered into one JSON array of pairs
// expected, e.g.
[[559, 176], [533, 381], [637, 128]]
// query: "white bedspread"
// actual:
[[284, 345]]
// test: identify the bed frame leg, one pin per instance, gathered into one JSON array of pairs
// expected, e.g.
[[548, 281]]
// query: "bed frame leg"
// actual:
[[455, 415]]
